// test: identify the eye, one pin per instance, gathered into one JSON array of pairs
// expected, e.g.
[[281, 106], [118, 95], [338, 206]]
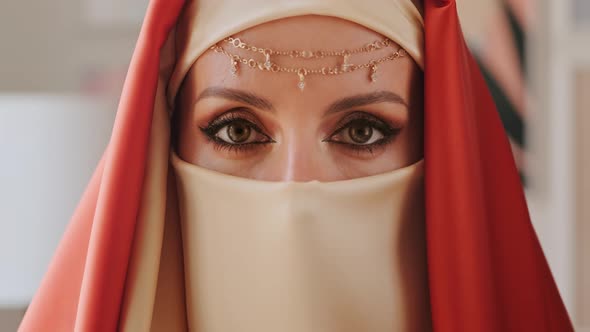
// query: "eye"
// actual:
[[362, 129], [358, 133], [363, 132], [239, 132], [236, 128]]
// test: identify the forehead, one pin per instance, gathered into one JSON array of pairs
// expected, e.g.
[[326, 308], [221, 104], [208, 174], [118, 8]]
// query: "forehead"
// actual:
[[304, 33]]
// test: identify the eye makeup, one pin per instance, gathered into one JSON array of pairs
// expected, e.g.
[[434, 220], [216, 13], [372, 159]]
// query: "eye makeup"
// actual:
[[348, 134], [382, 132], [235, 118]]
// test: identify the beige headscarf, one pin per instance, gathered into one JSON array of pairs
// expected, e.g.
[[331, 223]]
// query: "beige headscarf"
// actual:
[[154, 296], [204, 23]]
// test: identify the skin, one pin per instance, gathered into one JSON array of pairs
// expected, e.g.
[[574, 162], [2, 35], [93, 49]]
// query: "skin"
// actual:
[[301, 128]]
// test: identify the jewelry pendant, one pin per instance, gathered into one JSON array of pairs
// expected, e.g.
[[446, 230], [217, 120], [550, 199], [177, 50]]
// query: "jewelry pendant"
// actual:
[[373, 76], [345, 67], [234, 67], [301, 84], [267, 62]]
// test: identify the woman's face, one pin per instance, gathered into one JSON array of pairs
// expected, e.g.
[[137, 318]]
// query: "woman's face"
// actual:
[[260, 125]]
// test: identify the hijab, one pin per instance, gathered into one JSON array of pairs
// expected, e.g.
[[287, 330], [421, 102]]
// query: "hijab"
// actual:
[[486, 269]]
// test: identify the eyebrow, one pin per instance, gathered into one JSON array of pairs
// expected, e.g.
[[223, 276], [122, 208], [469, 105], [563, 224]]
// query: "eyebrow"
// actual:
[[365, 99], [337, 106], [236, 95]]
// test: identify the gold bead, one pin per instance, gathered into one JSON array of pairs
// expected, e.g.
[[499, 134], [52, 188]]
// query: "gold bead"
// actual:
[[306, 54]]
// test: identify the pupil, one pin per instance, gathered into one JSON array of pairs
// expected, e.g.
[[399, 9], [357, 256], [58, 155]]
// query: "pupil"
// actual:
[[360, 134], [238, 133]]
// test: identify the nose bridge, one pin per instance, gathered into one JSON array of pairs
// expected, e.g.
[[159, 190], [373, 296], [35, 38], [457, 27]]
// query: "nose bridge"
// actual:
[[299, 157]]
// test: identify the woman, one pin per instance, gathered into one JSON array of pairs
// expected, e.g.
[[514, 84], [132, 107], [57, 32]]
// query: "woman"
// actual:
[[251, 220]]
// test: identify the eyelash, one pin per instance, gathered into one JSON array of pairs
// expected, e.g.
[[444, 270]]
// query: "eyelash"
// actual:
[[229, 117], [212, 128], [359, 117]]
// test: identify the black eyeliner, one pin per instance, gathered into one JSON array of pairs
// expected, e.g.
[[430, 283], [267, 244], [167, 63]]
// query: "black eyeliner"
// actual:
[[366, 147], [388, 131], [366, 119], [213, 127]]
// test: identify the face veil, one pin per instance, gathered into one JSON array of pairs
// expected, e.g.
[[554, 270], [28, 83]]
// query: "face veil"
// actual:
[[486, 270], [301, 256]]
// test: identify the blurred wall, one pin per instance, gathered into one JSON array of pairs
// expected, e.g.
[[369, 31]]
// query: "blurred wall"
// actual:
[[582, 239], [50, 146], [51, 46], [37, 45], [61, 72], [560, 55]]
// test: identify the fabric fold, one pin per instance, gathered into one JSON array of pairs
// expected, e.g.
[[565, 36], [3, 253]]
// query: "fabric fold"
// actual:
[[484, 256]]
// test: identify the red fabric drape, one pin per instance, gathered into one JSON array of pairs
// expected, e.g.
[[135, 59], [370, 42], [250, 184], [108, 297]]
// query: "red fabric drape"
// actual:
[[83, 287], [487, 271], [486, 268]]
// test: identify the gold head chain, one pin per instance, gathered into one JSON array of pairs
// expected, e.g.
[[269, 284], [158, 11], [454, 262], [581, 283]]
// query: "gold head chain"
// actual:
[[344, 67]]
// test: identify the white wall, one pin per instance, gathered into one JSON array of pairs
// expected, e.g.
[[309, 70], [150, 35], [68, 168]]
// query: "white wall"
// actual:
[[559, 49], [49, 146]]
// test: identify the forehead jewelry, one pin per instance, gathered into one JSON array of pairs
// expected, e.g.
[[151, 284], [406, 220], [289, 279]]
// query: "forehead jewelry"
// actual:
[[267, 56]]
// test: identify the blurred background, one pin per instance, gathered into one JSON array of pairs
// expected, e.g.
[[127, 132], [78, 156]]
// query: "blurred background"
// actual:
[[62, 66]]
